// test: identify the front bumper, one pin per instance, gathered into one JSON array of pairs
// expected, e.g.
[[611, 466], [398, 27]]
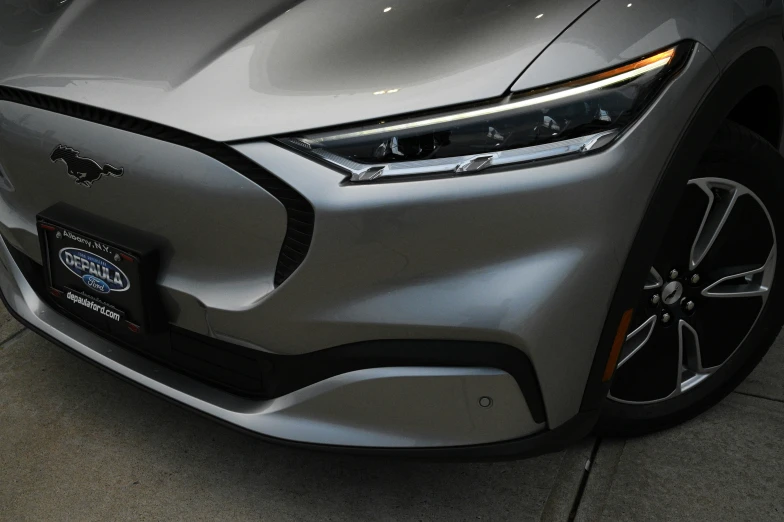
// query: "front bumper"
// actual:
[[524, 258], [342, 413]]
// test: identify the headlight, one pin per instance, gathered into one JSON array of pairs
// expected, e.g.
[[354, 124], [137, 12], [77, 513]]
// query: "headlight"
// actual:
[[577, 117]]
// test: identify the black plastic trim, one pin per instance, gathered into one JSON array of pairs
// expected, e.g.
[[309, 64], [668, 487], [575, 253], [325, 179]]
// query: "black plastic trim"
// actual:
[[283, 374], [759, 67], [298, 209]]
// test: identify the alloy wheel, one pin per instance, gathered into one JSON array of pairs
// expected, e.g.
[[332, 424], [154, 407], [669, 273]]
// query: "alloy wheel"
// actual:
[[704, 294]]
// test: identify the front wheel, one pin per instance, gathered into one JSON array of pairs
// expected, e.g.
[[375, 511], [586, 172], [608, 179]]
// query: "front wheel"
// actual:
[[710, 307]]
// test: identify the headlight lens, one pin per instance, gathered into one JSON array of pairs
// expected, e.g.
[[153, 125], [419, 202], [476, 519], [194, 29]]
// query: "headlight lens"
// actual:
[[576, 117]]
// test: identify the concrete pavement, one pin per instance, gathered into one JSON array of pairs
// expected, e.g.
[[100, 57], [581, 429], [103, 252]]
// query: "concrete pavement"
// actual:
[[79, 444]]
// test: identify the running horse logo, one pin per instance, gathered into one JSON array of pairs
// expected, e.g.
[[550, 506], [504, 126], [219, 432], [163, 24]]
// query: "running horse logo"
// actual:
[[84, 170]]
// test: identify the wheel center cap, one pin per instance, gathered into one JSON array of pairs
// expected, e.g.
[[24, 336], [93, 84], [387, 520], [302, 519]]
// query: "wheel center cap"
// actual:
[[672, 292]]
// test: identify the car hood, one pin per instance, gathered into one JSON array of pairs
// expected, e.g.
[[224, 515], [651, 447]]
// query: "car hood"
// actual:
[[248, 68]]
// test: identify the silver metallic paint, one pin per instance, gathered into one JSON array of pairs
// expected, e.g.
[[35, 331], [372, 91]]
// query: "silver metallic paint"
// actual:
[[245, 68], [221, 255], [617, 31], [474, 257], [471, 258]]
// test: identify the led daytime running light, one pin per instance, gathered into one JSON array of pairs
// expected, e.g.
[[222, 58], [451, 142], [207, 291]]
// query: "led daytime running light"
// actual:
[[589, 84]]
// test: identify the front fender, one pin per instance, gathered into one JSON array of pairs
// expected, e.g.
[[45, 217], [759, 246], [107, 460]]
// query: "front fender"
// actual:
[[618, 31]]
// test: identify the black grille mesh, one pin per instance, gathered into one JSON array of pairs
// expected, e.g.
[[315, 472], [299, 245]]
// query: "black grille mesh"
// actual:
[[299, 229]]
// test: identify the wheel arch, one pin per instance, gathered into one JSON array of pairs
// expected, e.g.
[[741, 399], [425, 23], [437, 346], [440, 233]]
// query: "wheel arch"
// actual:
[[760, 111], [758, 68]]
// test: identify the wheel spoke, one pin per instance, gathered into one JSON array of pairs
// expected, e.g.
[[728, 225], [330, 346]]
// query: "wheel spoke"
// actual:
[[722, 325], [722, 198], [637, 339], [654, 280], [653, 371], [691, 353], [681, 231], [747, 283]]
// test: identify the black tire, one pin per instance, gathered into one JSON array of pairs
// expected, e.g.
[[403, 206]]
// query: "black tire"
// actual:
[[740, 155]]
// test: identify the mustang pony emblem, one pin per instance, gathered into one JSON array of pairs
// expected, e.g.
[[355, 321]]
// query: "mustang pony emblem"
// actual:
[[84, 170]]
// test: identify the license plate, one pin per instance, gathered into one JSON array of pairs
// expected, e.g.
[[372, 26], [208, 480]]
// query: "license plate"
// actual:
[[100, 281]]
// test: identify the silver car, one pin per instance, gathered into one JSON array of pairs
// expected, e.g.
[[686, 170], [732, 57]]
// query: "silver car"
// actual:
[[448, 227]]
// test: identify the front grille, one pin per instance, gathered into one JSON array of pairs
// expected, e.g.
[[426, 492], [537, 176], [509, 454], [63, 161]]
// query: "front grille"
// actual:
[[299, 229]]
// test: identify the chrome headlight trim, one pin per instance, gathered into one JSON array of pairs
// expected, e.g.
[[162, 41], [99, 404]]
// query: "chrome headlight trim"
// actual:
[[363, 172]]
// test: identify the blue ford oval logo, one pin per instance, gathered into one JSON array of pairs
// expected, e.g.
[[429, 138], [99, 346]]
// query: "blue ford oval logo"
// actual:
[[96, 272], [99, 285]]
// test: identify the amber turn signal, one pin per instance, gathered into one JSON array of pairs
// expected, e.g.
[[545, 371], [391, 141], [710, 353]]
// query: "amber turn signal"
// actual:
[[620, 337]]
